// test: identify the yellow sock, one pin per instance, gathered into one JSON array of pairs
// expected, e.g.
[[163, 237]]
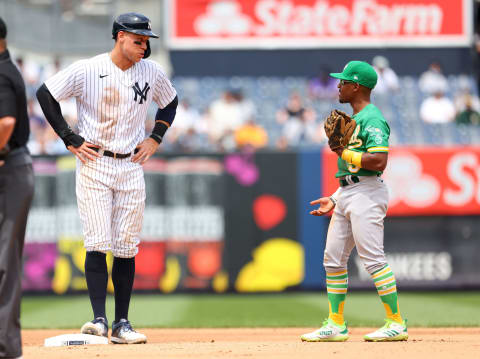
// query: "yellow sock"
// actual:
[[337, 318]]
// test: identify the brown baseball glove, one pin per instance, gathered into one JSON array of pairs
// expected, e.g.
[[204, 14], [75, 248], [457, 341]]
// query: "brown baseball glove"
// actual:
[[339, 128]]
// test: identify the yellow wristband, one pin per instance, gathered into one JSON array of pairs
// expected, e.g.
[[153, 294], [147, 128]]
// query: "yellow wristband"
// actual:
[[352, 157]]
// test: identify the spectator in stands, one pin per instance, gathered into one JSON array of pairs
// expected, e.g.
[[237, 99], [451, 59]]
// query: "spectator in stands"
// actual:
[[38, 128], [190, 133], [437, 108], [251, 136], [298, 124], [224, 117], [247, 107], [387, 78], [323, 86], [31, 73], [465, 95], [433, 79], [469, 116], [189, 119], [191, 141]]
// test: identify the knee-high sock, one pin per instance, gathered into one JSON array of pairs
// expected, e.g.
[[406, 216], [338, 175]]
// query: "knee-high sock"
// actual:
[[337, 284], [97, 278], [123, 273], [387, 290]]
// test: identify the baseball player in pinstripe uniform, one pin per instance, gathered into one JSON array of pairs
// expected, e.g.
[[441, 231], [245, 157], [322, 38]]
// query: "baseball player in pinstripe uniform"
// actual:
[[113, 92], [360, 205]]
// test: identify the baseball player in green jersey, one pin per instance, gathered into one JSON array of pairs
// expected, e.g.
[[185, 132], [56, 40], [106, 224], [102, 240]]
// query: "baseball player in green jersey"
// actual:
[[360, 205]]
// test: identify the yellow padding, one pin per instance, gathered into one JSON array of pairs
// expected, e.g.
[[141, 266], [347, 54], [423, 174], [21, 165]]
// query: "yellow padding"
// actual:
[[352, 157]]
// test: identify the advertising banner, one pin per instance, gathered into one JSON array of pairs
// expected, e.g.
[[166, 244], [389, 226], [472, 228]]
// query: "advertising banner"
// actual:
[[425, 181], [263, 24], [182, 238], [427, 253], [211, 223]]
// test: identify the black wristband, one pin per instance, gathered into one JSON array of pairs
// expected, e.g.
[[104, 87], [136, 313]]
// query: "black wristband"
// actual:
[[72, 139], [157, 138]]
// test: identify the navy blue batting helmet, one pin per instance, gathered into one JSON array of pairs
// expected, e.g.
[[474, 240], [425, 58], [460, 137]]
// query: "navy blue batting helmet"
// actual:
[[133, 22]]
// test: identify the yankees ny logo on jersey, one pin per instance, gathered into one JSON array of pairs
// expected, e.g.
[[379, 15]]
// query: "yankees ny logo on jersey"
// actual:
[[142, 93]]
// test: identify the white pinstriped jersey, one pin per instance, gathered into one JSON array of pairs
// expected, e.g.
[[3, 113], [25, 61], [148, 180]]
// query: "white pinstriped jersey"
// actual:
[[112, 104]]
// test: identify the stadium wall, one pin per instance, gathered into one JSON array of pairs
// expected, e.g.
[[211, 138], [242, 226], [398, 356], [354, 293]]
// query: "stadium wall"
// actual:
[[239, 222], [307, 62]]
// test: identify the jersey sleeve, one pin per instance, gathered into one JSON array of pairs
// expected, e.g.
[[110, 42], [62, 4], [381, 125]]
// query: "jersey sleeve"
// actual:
[[377, 136], [68, 82], [7, 98], [163, 91]]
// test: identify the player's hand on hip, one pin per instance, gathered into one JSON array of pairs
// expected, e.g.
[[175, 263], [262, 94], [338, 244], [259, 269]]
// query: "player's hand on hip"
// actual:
[[326, 205], [145, 150], [84, 152]]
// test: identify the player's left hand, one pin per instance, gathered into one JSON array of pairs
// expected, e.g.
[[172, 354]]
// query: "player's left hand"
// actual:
[[145, 150], [326, 205]]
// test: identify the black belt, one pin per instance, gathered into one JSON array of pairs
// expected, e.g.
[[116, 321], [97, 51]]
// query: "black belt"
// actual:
[[344, 182], [113, 154]]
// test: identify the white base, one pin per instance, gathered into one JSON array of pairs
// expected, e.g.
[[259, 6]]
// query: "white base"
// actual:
[[74, 339]]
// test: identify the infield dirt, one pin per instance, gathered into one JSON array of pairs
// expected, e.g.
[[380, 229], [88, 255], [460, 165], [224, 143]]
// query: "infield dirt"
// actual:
[[424, 343]]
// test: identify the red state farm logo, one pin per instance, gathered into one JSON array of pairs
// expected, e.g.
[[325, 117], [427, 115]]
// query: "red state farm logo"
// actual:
[[323, 18], [223, 18], [408, 184]]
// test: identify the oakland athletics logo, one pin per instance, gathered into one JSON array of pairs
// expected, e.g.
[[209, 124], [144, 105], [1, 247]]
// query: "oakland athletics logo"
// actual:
[[142, 93]]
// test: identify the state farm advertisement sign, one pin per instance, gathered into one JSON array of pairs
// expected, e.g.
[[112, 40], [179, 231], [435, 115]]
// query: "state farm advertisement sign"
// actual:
[[317, 23], [425, 181]]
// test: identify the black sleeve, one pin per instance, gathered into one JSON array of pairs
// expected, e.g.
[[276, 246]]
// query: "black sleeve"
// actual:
[[7, 99], [164, 119], [53, 114]]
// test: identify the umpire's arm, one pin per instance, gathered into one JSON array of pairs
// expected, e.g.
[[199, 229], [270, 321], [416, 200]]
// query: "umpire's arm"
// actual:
[[8, 115]]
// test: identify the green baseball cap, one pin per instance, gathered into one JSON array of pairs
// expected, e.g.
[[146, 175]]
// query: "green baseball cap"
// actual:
[[359, 72]]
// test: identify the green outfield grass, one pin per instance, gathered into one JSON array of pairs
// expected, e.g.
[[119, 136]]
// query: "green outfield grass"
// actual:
[[265, 310]]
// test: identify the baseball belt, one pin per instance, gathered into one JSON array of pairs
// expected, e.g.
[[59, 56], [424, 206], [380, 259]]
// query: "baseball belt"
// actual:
[[350, 179], [112, 154]]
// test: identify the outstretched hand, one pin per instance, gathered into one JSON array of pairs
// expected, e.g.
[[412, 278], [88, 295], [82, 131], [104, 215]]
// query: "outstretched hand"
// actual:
[[326, 205], [145, 150]]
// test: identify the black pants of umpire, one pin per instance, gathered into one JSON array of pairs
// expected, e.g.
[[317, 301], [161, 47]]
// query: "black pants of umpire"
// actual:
[[16, 193]]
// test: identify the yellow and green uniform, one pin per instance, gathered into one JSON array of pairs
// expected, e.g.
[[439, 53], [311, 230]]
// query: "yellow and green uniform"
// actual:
[[358, 221], [370, 135]]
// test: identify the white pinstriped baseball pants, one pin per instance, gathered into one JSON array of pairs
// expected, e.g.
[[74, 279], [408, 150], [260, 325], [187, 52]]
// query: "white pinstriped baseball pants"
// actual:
[[358, 221], [111, 202]]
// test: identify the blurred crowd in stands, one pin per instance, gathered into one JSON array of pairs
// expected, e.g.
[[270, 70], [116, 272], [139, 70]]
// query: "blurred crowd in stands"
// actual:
[[232, 121]]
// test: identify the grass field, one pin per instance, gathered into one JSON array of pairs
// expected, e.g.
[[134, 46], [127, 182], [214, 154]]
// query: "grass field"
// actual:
[[264, 310]]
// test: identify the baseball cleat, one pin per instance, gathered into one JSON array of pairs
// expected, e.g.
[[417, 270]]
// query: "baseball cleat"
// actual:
[[390, 332], [98, 326], [329, 332], [123, 333]]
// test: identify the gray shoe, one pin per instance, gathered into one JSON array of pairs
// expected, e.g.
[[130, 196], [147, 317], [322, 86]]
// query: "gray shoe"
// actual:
[[98, 326], [123, 333]]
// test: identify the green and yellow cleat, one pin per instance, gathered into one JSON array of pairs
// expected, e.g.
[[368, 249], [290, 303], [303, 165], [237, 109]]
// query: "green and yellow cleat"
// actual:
[[329, 332], [390, 332]]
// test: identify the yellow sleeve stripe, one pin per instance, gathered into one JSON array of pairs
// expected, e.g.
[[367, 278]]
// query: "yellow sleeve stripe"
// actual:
[[378, 149]]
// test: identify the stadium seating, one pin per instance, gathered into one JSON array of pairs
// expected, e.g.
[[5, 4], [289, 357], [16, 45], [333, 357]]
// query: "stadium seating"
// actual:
[[401, 108]]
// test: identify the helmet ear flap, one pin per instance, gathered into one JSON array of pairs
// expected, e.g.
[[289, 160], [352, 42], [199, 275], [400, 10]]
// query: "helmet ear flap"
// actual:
[[148, 51]]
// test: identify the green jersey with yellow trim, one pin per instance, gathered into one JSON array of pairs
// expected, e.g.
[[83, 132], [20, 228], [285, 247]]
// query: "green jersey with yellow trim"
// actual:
[[370, 135]]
